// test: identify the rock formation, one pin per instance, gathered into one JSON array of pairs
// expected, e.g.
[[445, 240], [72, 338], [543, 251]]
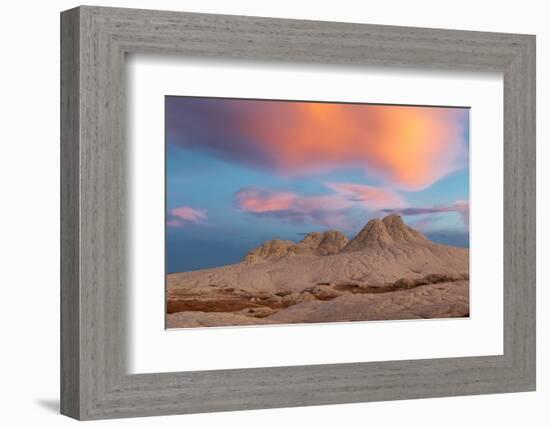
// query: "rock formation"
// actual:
[[332, 243], [327, 243], [387, 271], [384, 232]]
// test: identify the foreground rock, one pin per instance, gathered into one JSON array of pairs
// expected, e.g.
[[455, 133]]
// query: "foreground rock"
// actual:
[[432, 296], [448, 299], [197, 319]]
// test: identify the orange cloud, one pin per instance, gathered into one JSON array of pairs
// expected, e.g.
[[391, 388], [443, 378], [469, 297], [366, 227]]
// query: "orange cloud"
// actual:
[[405, 147]]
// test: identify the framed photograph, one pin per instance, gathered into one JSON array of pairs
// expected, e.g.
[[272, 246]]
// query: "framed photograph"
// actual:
[[262, 213]]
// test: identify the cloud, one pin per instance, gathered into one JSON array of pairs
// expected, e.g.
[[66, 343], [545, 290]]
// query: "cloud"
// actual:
[[329, 210], [258, 201], [406, 147], [372, 198], [291, 207], [462, 207], [179, 217]]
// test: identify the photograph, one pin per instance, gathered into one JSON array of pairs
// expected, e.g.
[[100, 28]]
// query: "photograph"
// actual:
[[285, 212]]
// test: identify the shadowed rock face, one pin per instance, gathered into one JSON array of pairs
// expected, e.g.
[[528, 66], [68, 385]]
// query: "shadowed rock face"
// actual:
[[333, 241], [374, 232], [387, 271], [400, 232], [312, 240]]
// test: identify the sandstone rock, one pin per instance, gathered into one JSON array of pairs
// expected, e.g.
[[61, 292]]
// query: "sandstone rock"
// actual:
[[432, 301], [327, 243], [325, 293], [405, 283], [374, 233], [372, 257], [301, 249], [259, 312], [312, 240], [271, 249], [332, 242], [197, 319], [387, 231], [296, 298], [387, 271], [399, 231]]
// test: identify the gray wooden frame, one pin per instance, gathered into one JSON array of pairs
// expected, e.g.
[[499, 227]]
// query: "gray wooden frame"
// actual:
[[94, 41]]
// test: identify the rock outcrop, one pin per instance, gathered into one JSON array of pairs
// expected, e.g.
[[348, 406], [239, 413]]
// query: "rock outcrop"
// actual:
[[377, 232], [328, 243], [332, 243], [269, 250], [384, 232], [400, 232]]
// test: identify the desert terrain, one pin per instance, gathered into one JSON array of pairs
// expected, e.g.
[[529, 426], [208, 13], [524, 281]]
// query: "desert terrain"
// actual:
[[388, 271]]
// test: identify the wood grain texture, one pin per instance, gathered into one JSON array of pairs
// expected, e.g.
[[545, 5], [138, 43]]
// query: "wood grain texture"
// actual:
[[70, 297], [94, 380]]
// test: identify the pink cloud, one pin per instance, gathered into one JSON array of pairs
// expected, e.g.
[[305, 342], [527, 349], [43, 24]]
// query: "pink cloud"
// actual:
[[372, 198], [182, 215], [330, 210], [407, 147], [257, 200]]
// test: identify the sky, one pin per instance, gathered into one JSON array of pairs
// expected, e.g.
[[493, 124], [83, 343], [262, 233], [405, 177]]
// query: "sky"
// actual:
[[242, 171]]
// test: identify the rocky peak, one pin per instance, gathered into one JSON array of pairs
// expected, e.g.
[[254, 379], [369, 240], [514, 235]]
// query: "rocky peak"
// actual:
[[391, 229], [271, 249], [312, 239], [397, 229], [327, 243], [332, 242], [377, 232], [374, 232]]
